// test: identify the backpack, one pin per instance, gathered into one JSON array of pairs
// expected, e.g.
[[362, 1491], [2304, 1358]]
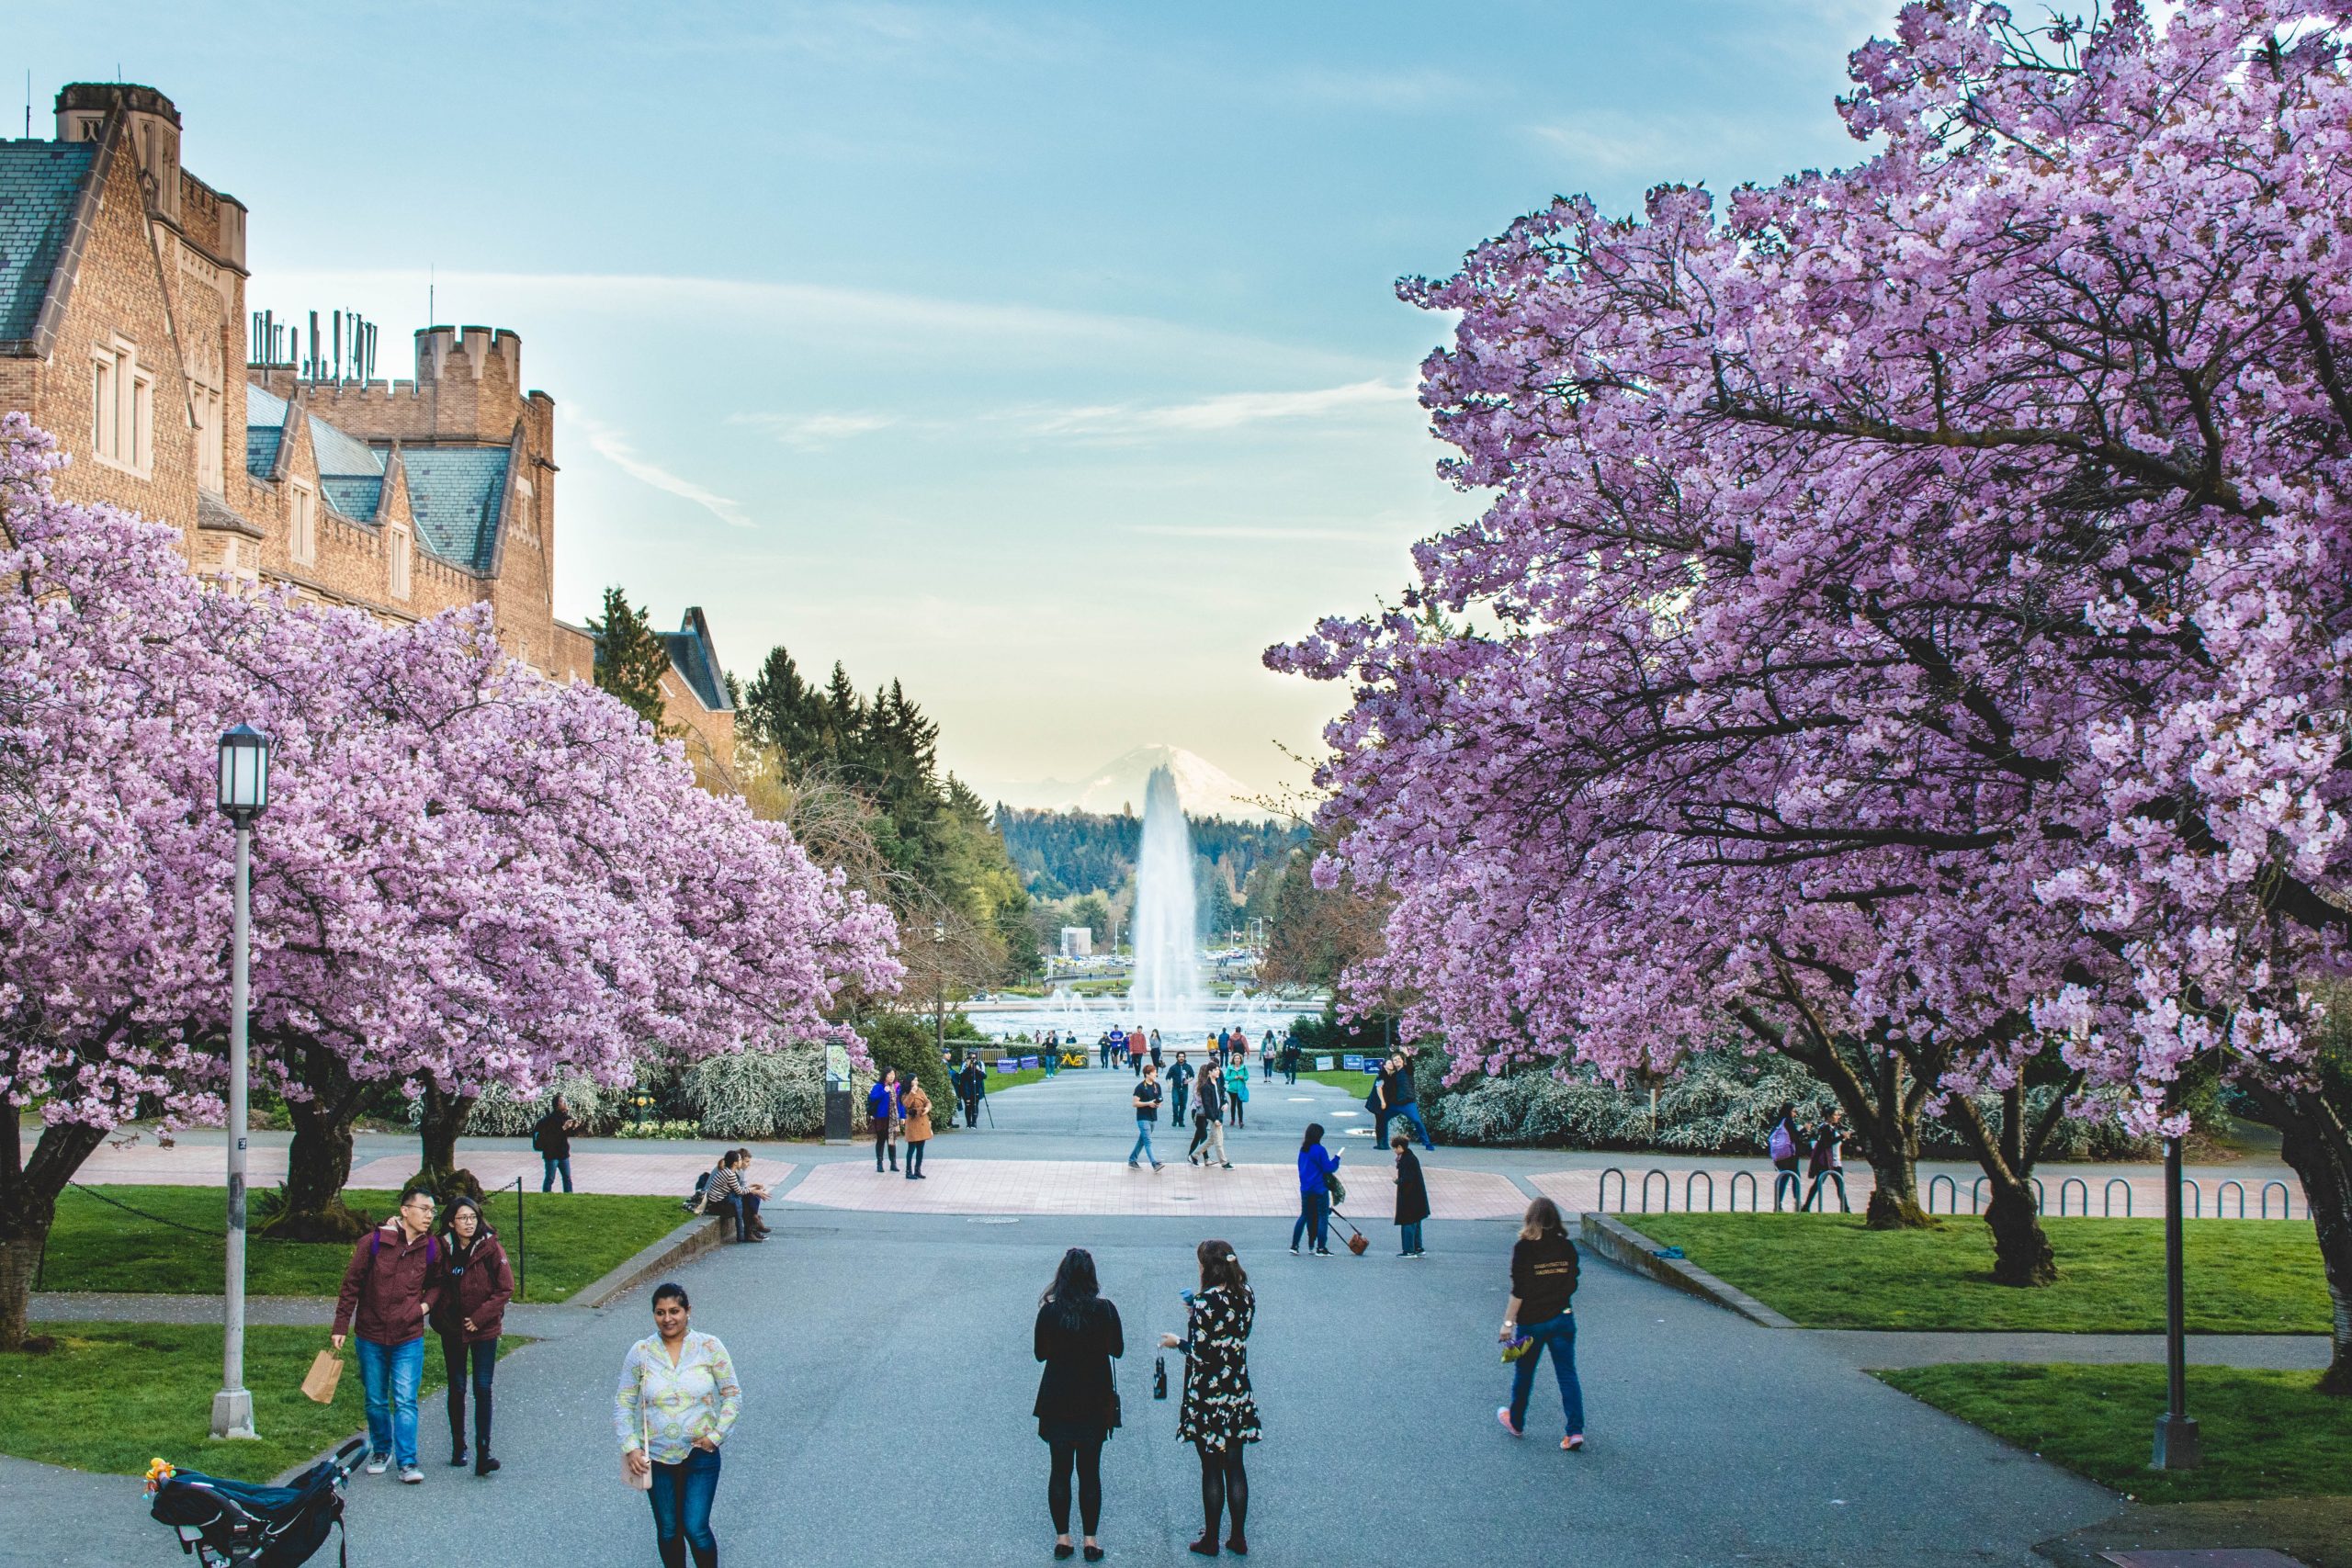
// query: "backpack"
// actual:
[[1783, 1144], [537, 1128]]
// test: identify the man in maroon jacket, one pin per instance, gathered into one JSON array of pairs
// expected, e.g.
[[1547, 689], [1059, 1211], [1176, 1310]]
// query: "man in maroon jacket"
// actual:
[[390, 1287]]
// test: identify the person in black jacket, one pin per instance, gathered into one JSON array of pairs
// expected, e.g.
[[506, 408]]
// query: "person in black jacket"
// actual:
[[1077, 1336], [1412, 1196], [551, 1136], [1539, 1318]]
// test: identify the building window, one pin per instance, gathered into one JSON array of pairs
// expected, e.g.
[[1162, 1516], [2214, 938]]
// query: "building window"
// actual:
[[206, 405], [398, 537], [122, 408], [303, 542]]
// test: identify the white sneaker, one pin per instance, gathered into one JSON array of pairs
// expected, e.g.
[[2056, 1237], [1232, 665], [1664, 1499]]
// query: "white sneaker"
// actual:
[[378, 1465], [411, 1475]]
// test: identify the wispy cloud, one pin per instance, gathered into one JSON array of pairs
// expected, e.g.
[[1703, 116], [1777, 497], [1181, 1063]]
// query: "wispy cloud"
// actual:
[[811, 431], [1617, 144], [609, 444], [1247, 531], [1372, 88], [1225, 411]]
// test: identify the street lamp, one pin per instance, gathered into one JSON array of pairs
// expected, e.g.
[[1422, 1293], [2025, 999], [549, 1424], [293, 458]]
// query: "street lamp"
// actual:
[[2176, 1445], [243, 796]]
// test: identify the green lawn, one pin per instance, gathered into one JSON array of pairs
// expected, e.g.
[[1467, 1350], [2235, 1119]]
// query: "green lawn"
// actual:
[[1826, 1271], [1356, 1084], [1015, 1079], [566, 1241], [113, 1395], [2264, 1434]]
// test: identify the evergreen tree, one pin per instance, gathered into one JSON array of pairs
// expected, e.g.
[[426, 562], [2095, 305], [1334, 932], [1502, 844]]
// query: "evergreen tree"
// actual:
[[630, 657]]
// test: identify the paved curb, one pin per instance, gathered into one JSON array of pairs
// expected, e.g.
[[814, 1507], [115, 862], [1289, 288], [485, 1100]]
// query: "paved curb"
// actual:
[[1629, 1248], [688, 1242]]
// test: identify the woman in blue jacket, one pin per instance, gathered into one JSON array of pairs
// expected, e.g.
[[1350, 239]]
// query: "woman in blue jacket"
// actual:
[[884, 1112], [1317, 1167]]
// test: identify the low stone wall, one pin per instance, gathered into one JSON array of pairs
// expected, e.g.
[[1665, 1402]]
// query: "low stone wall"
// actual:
[[1628, 1249]]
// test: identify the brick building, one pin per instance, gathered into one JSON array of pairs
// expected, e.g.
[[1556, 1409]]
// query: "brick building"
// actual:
[[123, 333]]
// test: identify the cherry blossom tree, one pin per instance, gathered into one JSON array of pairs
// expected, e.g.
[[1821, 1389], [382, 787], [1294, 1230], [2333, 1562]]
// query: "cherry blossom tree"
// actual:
[[467, 874], [1961, 535]]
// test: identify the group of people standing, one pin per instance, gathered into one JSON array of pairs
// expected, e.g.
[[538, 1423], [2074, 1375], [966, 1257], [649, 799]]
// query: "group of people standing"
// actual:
[[1216, 1093], [405, 1279], [899, 1111]]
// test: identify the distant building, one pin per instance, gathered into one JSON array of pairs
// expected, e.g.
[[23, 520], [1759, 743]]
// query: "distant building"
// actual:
[[1078, 942], [124, 333]]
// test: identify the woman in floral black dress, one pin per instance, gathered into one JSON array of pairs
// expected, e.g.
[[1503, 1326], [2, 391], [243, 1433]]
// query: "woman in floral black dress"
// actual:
[[1218, 1416]]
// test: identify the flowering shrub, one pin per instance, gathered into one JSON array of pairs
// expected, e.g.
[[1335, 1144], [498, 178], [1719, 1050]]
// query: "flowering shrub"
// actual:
[[658, 1129], [759, 1094]]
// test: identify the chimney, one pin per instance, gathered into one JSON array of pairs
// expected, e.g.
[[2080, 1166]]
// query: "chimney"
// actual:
[[82, 111]]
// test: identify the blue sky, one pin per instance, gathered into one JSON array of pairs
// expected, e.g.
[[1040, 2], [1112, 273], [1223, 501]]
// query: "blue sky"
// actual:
[[1043, 357]]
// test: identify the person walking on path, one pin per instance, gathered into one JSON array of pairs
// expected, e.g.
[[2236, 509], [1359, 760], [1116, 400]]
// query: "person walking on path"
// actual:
[[1146, 1103], [1403, 1098], [972, 1084], [1136, 1052], [1209, 1118], [1266, 1057], [918, 1105], [1290, 1058], [1154, 1051], [1218, 1416], [1077, 1336], [551, 1136], [1179, 1089], [1786, 1145], [1236, 1091], [883, 1111], [389, 1290], [676, 1402], [1825, 1165], [1412, 1197], [1318, 1168], [475, 1284], [1542, 1280]]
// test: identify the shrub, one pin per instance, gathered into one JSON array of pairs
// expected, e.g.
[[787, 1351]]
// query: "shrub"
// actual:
[[758, 1094], [499, 1113]]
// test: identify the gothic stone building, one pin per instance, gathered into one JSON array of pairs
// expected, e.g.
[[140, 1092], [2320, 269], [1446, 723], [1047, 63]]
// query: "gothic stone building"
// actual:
[[123, 333]]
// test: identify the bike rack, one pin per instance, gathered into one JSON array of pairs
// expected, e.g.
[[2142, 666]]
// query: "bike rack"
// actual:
[[2286, 1200], [2071, 1181], [1665, 1186], [1603, 1200], [1951, 1204], [2196, 1192], [1975, 1196], [1688, 1206], [1754, 1188], [2221, 1192], [2106, 1197], [2041, 1198]]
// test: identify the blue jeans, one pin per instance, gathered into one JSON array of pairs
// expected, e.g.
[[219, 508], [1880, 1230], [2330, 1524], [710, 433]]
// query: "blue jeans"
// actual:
[[1143, 1142], [1411, 1111], [1558, 1334], [1411, 1240], [391, 1374], [1314, 1212], [550, 1166], [682, 1494]]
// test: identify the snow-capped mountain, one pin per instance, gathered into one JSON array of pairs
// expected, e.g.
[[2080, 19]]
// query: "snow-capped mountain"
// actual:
[[1117, 785]]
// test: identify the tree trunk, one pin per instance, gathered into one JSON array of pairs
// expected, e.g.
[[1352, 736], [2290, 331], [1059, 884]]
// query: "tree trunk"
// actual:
[[2021, 1254], [318, 1163], [442, 1118], [1894, 1197], [2314, 1141], [29, 1192]]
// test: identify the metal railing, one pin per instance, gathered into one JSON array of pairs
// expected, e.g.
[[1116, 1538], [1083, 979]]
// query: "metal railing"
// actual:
[[2073, 1195]]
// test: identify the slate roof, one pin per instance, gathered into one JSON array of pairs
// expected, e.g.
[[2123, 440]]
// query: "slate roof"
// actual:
[[40, 184], [343, 455], [695, 659], [456, 493], [356, 496], [265, 414]]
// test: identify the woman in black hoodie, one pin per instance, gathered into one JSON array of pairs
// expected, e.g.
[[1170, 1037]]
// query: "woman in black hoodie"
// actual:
[[1078, 1336]]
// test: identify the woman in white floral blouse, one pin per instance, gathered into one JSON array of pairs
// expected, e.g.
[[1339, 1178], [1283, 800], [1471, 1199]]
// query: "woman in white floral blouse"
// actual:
[[677, 1398]]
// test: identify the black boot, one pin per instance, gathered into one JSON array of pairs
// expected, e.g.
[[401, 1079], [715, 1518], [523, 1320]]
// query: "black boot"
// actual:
[[673, 1552], [483, 1461], [706, 1557], [456, 1425]]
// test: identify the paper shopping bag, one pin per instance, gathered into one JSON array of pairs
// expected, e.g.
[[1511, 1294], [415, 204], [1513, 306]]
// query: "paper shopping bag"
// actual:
[[325, 1372]]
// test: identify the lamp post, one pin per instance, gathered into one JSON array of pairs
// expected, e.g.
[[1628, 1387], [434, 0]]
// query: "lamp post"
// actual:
[[2176, 1445], [243, 796]]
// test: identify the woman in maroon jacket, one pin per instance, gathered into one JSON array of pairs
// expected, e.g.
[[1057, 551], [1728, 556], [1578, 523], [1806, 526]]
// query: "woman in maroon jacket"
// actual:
[[476, 1284]]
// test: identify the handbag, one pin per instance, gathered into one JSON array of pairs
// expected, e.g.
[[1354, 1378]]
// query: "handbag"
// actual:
[[325, 1373], [643, 1481]]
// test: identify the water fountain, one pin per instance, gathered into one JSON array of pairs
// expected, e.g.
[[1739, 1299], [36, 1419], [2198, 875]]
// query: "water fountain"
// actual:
[[1167, 984]]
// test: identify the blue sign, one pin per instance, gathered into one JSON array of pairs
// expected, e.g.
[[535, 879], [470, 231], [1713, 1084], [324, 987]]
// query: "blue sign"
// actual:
[[1028, 1061], [1351, 1064]]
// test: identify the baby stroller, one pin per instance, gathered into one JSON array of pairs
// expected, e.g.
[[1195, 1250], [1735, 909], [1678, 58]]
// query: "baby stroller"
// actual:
[[236, 1523]]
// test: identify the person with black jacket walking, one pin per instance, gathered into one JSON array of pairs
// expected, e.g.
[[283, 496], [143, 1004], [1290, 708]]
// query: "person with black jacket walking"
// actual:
[[1209, 1118], [972, 1087], [1826, 1166], [551, 1136], [1412, 1196], [1077, 1336], [469, 1313], [1786, 1145], [1539, 1318]]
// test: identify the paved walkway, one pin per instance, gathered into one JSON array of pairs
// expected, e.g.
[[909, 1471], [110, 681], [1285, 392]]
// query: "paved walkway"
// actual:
[[885, 1359]]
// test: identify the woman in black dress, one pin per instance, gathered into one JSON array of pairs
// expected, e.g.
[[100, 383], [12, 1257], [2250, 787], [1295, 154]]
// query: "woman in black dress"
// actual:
[[1219, 1418], [1078, 1404]]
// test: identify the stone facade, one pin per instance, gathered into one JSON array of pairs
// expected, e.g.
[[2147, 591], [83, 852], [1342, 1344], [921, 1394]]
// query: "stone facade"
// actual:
[[122, 332]]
